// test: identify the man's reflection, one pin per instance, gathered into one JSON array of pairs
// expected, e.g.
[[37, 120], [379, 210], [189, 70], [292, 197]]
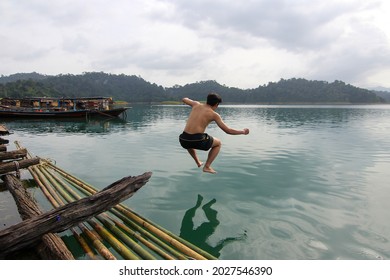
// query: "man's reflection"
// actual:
[[198, 236]]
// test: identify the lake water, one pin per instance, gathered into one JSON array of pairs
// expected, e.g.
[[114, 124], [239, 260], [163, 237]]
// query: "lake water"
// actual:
[[308, 182]]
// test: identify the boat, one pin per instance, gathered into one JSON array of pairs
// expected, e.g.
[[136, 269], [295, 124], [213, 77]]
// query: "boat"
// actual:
[[50, 107]]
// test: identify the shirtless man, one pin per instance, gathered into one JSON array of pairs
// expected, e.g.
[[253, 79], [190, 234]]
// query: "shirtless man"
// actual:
[[194, 136]]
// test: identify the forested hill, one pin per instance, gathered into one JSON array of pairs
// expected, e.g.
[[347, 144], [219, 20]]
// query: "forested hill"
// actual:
[[135, 89]]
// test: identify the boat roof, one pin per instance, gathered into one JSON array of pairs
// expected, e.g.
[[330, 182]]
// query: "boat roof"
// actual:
[[59, 98]]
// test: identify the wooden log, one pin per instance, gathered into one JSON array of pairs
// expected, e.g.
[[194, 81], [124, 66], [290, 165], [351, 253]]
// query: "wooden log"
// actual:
[[17, 154], [3, 130], [3, 148], [14, 166], [29, 231], [51, 246]]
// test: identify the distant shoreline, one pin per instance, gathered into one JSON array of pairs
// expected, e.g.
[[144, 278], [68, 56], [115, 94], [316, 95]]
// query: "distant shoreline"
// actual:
[[259, 103]]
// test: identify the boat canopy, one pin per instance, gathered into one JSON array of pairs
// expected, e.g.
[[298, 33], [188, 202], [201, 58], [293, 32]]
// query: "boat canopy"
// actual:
[[68, 103]]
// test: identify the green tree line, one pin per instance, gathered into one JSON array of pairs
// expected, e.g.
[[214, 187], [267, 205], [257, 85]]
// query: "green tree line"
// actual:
[[135, 89]]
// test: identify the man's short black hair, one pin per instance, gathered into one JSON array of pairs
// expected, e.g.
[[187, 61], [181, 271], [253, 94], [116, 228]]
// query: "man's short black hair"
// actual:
[[213, 98]]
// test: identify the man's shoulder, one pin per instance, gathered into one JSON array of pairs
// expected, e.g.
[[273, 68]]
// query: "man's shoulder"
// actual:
[[212, 115]]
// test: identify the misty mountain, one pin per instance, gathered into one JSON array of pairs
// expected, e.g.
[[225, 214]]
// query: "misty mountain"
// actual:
[[136, 89]]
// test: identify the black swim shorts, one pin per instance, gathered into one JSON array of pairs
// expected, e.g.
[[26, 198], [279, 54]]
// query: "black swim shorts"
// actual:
[[199, 141]]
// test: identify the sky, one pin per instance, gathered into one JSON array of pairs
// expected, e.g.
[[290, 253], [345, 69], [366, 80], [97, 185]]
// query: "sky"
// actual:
[[242, 44]]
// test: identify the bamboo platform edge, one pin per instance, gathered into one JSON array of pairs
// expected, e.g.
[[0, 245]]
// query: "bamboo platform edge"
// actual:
[[117, 233]]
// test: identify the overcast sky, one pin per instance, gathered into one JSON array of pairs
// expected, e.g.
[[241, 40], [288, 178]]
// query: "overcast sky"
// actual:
[[237, 43]]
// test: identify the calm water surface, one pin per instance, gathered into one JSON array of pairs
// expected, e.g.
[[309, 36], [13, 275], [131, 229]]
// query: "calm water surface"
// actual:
[[308, 182]]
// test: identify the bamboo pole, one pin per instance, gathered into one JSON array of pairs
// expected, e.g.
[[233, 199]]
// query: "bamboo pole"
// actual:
[[90, 190], [93, 237], [125, 252], [114, 242], [100, 247], [57, 220], [45, 184], [151, 236], [183, 246], [126, 239], [42, 186], [56, 202], [161, 237], [67, 192], [84, 244], [97, 243], [148, 244], [128, 230], [170, 234]]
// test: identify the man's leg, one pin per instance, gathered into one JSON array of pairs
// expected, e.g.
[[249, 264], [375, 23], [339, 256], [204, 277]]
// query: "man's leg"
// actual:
[[192, 152], [212, 155]]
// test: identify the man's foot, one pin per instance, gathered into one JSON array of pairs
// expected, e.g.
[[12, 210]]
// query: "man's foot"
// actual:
[[209, 170], [199, 163]]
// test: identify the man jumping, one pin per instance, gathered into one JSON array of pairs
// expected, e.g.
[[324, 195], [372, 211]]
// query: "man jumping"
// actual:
[[194, 137]]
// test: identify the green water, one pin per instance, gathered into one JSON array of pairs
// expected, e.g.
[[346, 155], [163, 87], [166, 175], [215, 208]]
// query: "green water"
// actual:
[[308, 182]]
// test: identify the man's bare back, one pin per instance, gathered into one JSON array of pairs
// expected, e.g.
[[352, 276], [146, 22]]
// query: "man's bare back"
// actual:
[[200, 117]]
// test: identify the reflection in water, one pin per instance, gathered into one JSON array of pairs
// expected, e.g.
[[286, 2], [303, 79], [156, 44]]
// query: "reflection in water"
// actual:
[[93, 126], [199, 236]]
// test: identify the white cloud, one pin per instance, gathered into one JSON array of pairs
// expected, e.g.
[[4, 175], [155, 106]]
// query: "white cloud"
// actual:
[[237, 43]]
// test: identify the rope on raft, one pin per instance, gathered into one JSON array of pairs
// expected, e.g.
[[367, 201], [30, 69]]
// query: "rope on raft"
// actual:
[[118, 233]]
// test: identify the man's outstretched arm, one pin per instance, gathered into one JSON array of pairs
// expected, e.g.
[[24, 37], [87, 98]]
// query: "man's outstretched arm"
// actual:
[[190, 102], [228, 129]]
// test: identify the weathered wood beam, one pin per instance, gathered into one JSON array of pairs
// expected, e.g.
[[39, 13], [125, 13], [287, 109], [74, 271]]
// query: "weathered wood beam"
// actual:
[[51, 246], [3, 130], [17, 154], [57, 220], [14, 166]]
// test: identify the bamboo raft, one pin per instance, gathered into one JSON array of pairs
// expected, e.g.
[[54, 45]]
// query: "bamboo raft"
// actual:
[[118, 233], [3, 131]]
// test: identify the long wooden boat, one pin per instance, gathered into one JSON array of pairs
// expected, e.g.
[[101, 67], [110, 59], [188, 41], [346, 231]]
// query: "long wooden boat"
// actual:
[[59, 108], [12, 113]]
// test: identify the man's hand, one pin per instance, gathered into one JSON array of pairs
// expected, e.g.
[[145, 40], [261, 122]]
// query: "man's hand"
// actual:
[[246, 131]]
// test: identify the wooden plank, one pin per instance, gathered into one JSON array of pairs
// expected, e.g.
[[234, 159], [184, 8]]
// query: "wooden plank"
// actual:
[[29, 231], [3, 130], [51, 246], [17, 154], [15, 166]]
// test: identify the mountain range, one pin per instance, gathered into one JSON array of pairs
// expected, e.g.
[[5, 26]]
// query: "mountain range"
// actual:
[[131, 88]]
